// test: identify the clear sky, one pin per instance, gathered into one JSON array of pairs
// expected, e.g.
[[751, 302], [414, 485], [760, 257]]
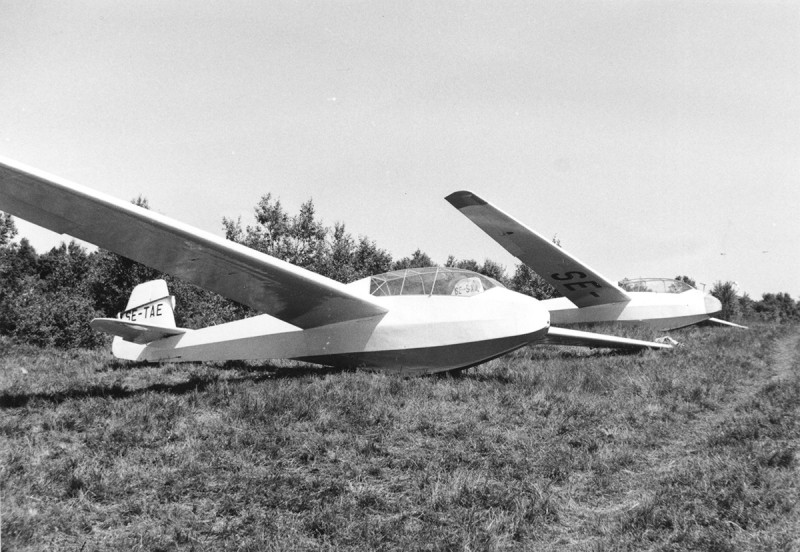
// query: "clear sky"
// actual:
[[654, 138]]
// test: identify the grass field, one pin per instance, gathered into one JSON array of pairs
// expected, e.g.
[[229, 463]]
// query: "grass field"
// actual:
[[547, 448]]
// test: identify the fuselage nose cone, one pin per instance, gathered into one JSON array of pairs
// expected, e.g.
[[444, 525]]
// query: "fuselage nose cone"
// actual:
[[713, 305], [538, 312]]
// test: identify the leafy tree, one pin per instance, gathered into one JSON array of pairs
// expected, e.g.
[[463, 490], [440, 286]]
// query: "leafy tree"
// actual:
[[272, 227], [488, 268], [298, 239], [112, 278], [746, 306], [418, 259], [17, 266], [347, 261], [340, 260], [43, 299], [307, 238], [369, 259], [56, 318], [197, 307], [7, 229], [777, 307], [306, 242], [494, 270], [686, 279], [17, 262], [466, 264], [24, 259], [726, 293], [64, 267], [528, 282]]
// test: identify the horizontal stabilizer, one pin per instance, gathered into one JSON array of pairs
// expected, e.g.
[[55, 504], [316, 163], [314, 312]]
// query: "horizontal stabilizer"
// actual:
[[726, 323], [563, 336], [134, 331]]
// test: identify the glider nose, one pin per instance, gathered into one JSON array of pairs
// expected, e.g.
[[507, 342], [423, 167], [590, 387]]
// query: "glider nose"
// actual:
[[537, 316], [544, 316], [713, 305]]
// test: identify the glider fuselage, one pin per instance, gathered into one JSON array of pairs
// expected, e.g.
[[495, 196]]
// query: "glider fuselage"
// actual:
[[418, 334], [663, 311]]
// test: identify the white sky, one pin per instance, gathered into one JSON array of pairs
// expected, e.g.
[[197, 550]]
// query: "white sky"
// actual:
[[654, 138]]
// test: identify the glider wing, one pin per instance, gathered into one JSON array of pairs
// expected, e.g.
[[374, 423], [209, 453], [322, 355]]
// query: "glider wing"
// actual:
[[563, 336], [572, 278], [267, 284], [726, 323]]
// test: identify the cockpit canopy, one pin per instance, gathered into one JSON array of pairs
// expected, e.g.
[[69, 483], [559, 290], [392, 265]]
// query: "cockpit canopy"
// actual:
[[655, 285], [431, 281]]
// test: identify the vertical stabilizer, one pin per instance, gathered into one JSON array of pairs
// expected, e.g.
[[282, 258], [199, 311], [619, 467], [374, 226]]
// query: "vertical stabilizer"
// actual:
[[150, 303], [149, 316]]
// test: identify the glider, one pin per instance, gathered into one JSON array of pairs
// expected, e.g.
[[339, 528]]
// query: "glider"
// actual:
[[588, 297], [412, 321]]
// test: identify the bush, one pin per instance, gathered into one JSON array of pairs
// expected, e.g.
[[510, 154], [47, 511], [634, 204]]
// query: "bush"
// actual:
[[726, 293], [58, 319]]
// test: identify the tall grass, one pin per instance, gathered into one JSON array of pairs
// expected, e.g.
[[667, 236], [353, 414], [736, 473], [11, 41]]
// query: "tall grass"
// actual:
[[545, 448]]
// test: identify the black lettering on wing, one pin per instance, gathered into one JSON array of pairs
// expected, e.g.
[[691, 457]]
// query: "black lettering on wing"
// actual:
[[569, 275], [572, 285]]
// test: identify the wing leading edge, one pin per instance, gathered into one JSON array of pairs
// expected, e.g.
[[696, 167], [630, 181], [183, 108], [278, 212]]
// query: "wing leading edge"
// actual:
[[572, 278], [267, 284]]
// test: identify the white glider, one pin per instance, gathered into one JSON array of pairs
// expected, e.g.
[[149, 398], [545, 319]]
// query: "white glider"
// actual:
[[411, 321], [588, 297]]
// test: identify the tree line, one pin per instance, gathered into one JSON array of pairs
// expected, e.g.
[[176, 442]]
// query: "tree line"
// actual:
[[47, 299]]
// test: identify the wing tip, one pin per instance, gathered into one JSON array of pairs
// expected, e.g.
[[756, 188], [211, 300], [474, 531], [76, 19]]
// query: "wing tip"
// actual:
[[727, 323], [464, 198]]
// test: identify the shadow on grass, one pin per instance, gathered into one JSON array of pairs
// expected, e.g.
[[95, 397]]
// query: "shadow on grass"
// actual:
[[253, 374], [546, 352]]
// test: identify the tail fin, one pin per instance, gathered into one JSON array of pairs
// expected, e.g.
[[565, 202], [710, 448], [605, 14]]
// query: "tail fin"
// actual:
[[150, 303], [149, 316]]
